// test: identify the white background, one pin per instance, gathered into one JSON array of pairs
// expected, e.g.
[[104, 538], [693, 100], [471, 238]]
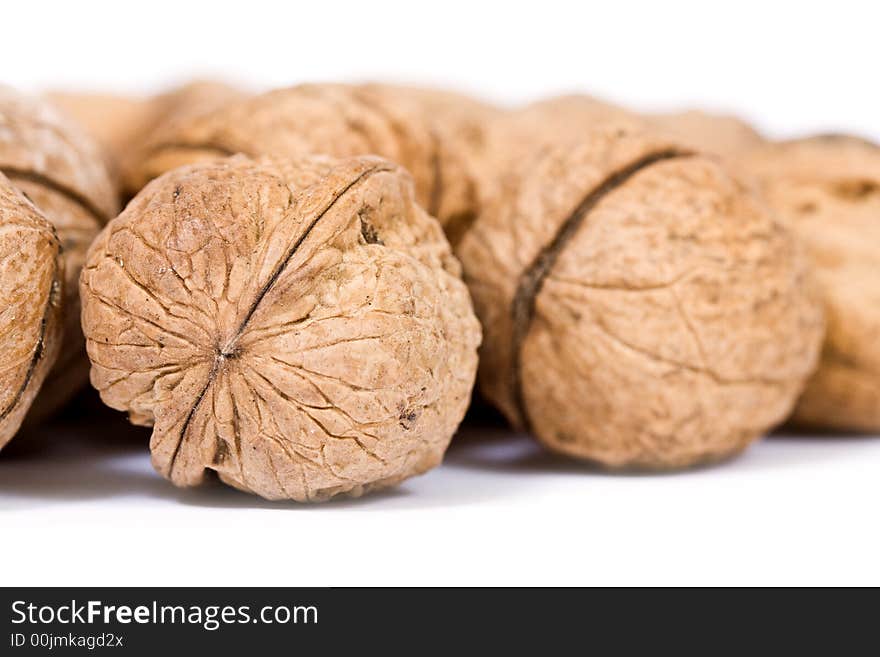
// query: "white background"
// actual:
[[83, 507]]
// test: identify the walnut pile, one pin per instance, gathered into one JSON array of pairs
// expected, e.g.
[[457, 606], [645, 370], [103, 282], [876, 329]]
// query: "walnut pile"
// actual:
[[640, 306], [300, 328], [827, 190], [435, 135], [30, 305], [61, 171]]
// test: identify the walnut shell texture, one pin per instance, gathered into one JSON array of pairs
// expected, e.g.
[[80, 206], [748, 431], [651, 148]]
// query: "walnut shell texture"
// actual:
[[298, 327], [30, 305], [434, 135], [827, 190], [60, 169], [640, 307]]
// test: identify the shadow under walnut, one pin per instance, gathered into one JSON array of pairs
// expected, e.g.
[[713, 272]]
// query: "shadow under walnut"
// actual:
[[300, 328]]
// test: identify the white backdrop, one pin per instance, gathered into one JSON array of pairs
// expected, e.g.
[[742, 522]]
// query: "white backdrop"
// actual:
[[789, 66], [76, 508]]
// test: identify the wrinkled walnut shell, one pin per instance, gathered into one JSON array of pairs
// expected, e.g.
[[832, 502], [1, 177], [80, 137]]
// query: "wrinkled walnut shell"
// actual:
[[827, 190], [30, 305], [299, 328], [434, 135], [61, 171], [640, 308]]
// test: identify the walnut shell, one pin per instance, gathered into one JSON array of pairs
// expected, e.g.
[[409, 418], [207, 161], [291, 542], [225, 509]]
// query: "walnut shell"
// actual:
[[722, 134], [827, 190], [563, 119], [30, 299], [122, 124], [514, 136], [60, 169], [435, 135], [299, 328], [114, 121], [640, 307]]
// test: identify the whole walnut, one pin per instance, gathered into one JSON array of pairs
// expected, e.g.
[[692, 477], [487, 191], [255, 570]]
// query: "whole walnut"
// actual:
[[300, 327], [30, 299], [827, 190], [435, 135], [60, 169], [640, 306]]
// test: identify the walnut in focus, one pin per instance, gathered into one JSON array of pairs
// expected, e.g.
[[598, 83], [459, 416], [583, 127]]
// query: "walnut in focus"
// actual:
[[827, 190], [640, 307], [300, 328], [435, 135], [60, 169], [30, 305]]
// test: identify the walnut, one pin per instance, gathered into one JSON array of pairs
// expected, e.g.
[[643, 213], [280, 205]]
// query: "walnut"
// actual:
[[299, 328], [564, 118], [827, 190], [721, 134], [30, 321], [513, 136], [114, 121], [435, 135], [123, 124], [640, 307], [61, 171]]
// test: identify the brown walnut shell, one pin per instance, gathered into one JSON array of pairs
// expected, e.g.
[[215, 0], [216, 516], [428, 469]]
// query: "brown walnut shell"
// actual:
[[123, 124], [640, 307], [434, 135], [60, 169], [300, 328], [720, 134], [563, 119], [827, 190], [30, 305]]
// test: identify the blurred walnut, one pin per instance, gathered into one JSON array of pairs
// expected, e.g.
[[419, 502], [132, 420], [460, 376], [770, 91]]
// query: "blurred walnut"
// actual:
[[30, 305], [435, 135], [827, 189], [61, 171], [640, 307], [299, 328], [719, 134], [518, 135], [122, 124], [114, 121], [564, 119]]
